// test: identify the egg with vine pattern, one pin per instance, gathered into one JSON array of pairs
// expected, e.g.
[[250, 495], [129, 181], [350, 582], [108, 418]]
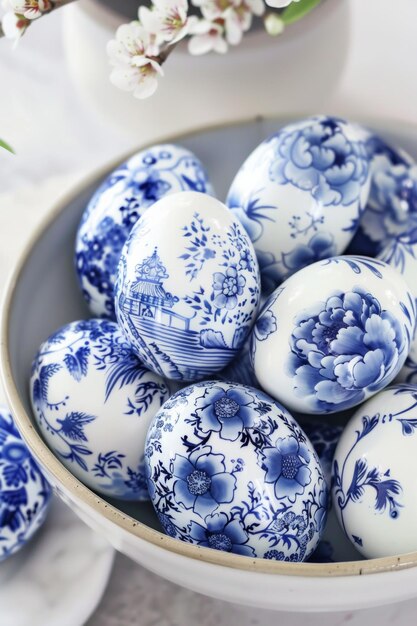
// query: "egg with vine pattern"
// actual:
[[374, 489], [93, 400]]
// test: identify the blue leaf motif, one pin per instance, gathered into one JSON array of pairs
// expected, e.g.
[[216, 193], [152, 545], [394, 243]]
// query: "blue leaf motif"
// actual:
[[356, 488], [78, 365], [72, 426], [47, 371], [408, 426], [14, 475], [124, 373]]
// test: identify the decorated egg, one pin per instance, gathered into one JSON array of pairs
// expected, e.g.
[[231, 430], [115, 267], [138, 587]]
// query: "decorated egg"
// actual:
[[93, 401], [391, 209], [375, 464], [300, 193], [117, 204], [24, 492], [188, 286], [230, 469], [334, 545], [333, 334]]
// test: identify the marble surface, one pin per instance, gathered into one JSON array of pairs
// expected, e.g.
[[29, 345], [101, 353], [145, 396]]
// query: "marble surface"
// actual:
[[57, 138], [59, 577]]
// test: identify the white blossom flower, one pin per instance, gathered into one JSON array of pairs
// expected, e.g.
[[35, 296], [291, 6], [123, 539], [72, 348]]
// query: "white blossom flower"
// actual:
[[279, 4], [168, 20], [14, 26], [134, 55], [30, 9], [235, 14], [207, 37]]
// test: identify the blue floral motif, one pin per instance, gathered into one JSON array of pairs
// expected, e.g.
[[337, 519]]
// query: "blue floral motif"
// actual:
[[227, 412], [221, 492], [24, 493], [221, 533], [343, 348], [319, 158], [320, 246], [391, 210], [202, 482], [117, 205], [82, 349], [227, 287], [286, 467], [198, 250]]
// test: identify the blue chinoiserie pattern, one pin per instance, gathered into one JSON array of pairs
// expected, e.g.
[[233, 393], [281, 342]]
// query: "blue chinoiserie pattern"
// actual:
[[349, 488], [117, 205], [348, 345], [88, 363], [230, 469], [392, 204], [198, 332], [319, 158], [24, 492], [299, 195]]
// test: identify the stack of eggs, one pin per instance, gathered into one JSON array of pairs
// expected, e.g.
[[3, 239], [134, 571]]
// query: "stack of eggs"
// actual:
[[180, 389]]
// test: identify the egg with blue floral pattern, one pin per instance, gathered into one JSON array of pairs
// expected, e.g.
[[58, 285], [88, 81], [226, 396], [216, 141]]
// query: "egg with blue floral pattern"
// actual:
[[188, 287], [391, 210], [24, 492], [116, 206], [300, 194], [333, 334], [230, 469], [93, 401], [375, 465]]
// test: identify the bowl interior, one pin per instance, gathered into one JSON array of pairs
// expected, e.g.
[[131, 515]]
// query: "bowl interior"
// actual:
[[45, 295]]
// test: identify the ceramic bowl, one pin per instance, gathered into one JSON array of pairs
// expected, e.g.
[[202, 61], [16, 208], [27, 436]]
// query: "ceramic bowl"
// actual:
[[32, 314]]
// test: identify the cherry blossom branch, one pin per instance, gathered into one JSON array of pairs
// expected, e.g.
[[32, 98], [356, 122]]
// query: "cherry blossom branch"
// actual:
[[21, 13]]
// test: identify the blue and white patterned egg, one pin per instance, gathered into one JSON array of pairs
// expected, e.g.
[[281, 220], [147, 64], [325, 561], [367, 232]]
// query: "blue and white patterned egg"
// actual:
[[93, 401], [24, 492], [188, 287], [300, 193], [230, 469], [391, 209], [333, 334], [374, 474], [116, 206]]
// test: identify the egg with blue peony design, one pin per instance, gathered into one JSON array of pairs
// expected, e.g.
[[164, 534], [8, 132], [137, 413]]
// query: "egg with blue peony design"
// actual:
[[188, 287], [391, 210], [300, 194], [374, 488], [333, 334], [230, 469], [116, 206], [93, 401], [24, 492]]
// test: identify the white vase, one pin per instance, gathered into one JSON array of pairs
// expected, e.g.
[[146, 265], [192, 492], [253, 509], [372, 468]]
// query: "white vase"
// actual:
[[264, 76]]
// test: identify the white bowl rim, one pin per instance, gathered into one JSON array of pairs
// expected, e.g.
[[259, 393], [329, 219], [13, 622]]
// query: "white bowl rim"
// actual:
[[101, 507]]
